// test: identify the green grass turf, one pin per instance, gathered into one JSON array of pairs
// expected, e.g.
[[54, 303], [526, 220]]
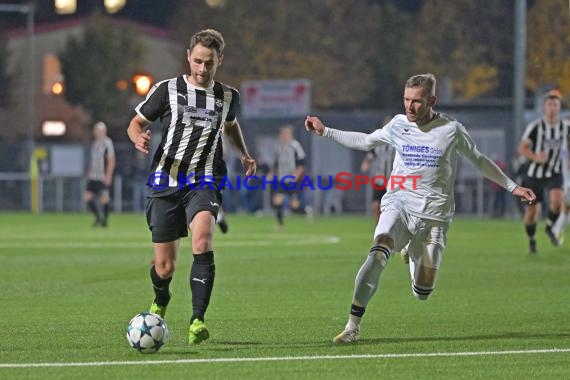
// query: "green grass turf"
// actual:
[[68, 291]]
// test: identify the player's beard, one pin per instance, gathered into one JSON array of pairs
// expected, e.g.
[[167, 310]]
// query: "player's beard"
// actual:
[[411, 117], [202, 80]]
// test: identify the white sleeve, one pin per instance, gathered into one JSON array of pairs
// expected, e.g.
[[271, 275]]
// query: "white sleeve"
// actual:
[[110, 149], [359, 140], [484, 164], [299, 151]]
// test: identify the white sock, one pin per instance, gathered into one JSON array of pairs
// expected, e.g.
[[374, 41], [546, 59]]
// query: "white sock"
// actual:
[[560, 224], [353, 322], [412, 269]]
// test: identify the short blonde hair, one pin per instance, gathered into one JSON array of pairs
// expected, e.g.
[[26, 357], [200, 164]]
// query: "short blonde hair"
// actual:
[[426, 81]]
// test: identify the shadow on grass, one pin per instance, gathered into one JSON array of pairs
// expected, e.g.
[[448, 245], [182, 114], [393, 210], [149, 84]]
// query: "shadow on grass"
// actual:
[[242, 345]]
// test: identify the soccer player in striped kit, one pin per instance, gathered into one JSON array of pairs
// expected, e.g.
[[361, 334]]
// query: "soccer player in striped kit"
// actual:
[[100, 175], [188, 170], [541, 145], [378, 162], [289, 164], [428, 145]]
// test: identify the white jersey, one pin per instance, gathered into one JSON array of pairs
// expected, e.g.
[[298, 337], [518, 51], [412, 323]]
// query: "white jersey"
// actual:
[[426, 156]]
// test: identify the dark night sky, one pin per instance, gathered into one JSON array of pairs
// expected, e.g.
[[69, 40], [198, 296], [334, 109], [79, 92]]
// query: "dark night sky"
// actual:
[[155, 12]]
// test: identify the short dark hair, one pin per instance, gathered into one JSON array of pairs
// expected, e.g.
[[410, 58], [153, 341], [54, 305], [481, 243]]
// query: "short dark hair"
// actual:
[[553, 94], [426, 81], [209, 38]]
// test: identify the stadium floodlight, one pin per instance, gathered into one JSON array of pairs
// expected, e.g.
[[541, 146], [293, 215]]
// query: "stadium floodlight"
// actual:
[[143, 83], [53, 128], [65, 7], [57, 88], [113, 6], [216, 3]]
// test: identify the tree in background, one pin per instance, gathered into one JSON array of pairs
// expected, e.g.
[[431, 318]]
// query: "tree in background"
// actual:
[[93, 66], [467, 43], [358, 53], [548, 52], [353, 52]]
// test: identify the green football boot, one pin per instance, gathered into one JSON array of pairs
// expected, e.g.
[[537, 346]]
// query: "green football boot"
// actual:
[[198, 332]]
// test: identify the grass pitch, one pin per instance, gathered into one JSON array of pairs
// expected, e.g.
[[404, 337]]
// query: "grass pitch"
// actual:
[[68, 291]]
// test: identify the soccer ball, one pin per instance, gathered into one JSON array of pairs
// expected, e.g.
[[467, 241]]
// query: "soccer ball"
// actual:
[[147, 332]]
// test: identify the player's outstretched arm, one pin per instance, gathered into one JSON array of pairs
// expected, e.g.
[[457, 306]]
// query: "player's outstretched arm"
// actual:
[[353, 140], [524, 194], [314, 124]]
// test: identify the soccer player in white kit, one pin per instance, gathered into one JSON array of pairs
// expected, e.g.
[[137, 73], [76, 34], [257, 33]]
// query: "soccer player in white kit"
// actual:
[[428, 145]]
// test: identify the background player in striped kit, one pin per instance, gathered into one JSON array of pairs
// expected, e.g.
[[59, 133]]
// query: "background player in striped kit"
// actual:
[[378, 162], [188, 170], [427, 144], [289, 161], [541, 144], [100, 175]]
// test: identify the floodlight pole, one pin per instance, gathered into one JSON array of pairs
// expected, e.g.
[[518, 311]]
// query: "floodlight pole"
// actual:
[[519, 99]]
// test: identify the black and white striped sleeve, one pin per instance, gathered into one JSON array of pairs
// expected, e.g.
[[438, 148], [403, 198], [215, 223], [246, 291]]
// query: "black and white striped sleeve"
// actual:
[[155, 102]]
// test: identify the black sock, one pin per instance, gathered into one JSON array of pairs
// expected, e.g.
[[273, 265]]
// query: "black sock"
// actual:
[[530, 230], [357, 311], [161, 288], [201, 283], [106, 208], [551, 218], [93, 208], [279, 214]]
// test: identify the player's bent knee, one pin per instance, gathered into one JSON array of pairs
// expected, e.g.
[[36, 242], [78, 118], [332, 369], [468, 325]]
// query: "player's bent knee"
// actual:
[[384, 239], [164, 269], [202, 243]]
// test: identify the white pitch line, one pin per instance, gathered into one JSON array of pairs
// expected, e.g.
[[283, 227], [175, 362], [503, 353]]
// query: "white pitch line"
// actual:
[[287, 358]]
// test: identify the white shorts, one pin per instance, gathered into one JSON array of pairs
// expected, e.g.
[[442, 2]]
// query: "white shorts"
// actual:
[[427, 237]]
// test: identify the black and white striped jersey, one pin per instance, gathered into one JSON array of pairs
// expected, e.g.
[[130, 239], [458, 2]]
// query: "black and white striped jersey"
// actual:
[[548, 139], [101, 150], [192, 118], [288, 157], [382, 160]]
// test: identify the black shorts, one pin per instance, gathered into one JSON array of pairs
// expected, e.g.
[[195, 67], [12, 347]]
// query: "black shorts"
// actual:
[[540, 185], [168, 216], [285, 189], [378, 194], [96, 187]]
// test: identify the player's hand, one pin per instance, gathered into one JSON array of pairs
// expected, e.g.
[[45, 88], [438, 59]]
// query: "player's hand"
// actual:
[[248, 164], [313, 124], [142, 143], [540, 158], [525, 195], [107, 181]]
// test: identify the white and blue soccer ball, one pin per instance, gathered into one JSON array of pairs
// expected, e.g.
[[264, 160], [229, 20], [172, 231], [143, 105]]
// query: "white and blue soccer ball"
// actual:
[[147, 332]]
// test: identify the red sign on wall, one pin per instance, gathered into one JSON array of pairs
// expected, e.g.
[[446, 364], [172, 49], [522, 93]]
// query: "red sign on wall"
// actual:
[[276, 98]]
